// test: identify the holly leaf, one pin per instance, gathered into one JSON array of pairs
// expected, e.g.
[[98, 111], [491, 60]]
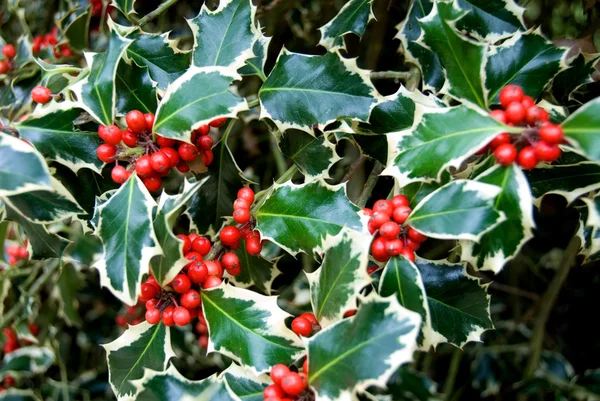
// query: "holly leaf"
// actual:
[[294, 92], [135, 89], [249, 328], [26, 362], [224, 37], [395, 113], [570, 181], [410, 385], [185, 108], [442, 138], [527, 60], [128, 239], [140, 348], [69, 282], [96, 93], [381, 331], [503, 242], [582, 129], [245, 384], [462, 58], [314, 156], [490, 20], [22, 169], [76, 27], [417, 191], [578, 73], [256, 65], [125, 6], [335, 286], [256, 270], [298, 217], [352, 18], [461, 209]]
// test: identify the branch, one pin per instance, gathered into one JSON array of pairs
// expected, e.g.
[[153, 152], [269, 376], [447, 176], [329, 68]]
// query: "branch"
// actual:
[[401, 75], [369, 185], [357, 163], [161, 9]]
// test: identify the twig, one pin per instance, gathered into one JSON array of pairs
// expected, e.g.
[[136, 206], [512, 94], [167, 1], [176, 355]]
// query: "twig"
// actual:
[[452, 373], [280, 162], [161, 9], [253, 103], [514, 291], [369, 185], [357, 163], [401, 75]]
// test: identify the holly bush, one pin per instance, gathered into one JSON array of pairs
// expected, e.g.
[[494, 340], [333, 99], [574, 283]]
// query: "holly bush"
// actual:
[[298, 200]]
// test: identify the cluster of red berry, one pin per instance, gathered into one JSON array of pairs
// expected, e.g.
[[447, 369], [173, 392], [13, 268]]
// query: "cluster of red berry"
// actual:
[[133, 315], [230, 235], [305, 325], [10, 53], [392, 236], [202, 330], [50, 40], [242, 205], [288, 384], [16, 253], [540, 140]]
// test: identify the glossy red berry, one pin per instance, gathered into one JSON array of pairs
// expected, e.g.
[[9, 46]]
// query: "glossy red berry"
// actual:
[[214, 268], [181, 316], [193, 257], [188, 152], [203, 130], [293, 384], [129, 138], [273, 391], [167, 316], [383, 206], [389, 230], [159, 162], [551, 134], [499, 115], [500, 139], [378, 219], [181, 283], [230, 235], [153, 316], [152, 281], [415, 235], [151, 303], [230, 260], [246, 193], [207, 157], [253, 245], [218, 122], [5, 67], [278, 372], [143, 166], [136, 121], [106, 152], [149, 117], [153, 183], [197, 272], [187, 244], [305, 366], [399, 200], [546, 152], [534, 114], [172, 156], [515, 113], [241, 216], [148, 291], [505, 154], [120, 320], [165, 142], [412, 244], [527, 158], [393, 247], [302, 326], [205, 142], [112, 135], [511, 94], [401, 214], [379, 249], [9, 51], [240, 203], [41, 94], [119, 174], [310, 317], [211, 282], [527, 102], [408, 253], [182, 167], [201, 245]]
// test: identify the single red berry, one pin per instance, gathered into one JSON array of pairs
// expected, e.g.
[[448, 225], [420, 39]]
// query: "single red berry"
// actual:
[[159, 162], [33, 328], [167, 316], [9, 334], [182, 167], [148, 291], [203, 341], [151, 303], [408, 254], [499, 139], [498, 115], [181, 316], [152, 183], [153, 316], [389, 230], [149, 117], [273, 391], [533, 115], [119, 174], [203, 130], [172, 155], [23, 252], [241, 216], [505, 154], [152, 281], [379, 218], [181, 283], [229, 235], [305, 366], [293, 384], [143, 166], [218, 122], [188, 152], [367, 211], [253, 245], [240, 203], [205, 142], [5, 67], [415, 235], [36, 45], [120, 320], [187, 244], [246, 193], [207, 157], [527, 158], [106, 152], [379, 249], [211, 282], [527, 102], [310, 317], [546, 152], [372, 269], [136, 121], [401, 214], [41, 94], [165, 142], [278, 372], [515, 113], [112, 135], [230, 260], [197, 272], [235, 271], [393, 247], [214, 268], [412, 244], [9, 51], [383, 206], [193, 257], [551, 134], [511, 94], [129, 138], [302, 326], [201, 245], [399, 200]]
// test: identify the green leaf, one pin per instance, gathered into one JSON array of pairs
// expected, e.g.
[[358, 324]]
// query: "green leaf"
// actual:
[[352, 18], [570, 181], [582, 129], [462, 58], [490, 20], [224, 37], [256, 64], [244, 384], [442, 138], [527, 60], [185, 108], [503, 242], [249, 328], [410, 385], [396, 113], [13, 394], [298, 217], [56, 77], [125, 6], [340, 358], [256, 270], [24, 53], [5, 286], [170, 261], [417, 191], [296, 90], [140, 348], [76, 27], [578, 73], [334, 288], [128, 239], [461, 209], [26, 362], [314, 156], [22, 169], [69, 282], [135, 89]]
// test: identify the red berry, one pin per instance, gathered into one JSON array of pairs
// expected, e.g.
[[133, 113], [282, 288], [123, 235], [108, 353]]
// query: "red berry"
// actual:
[[235, 271], [205, 142], [349, 313], [119, 174], [302, 326], [310, 317], [505, 154], [379, 249], [218, 122], [9, 51], [253, 245], [546, 152], [159, 162], [401, 214], [415, 235], [201, 245], [106, 152], [230, 260], [143, 166], [151, 303], [278, 372], [172, 155], [119, 320], [203, 130], [152, 183], [213, 268], [399, 200], [151, 280], [414, 245], [230, 235], [193, 257], [165, 142], [149, 117], [510, 94], [33, 328], [148, 291], [500, 139], [153, 316], [203, 341], [498, 115], [393, 247], [293, 384], [273, 391], [181, 316], [181, 283], [5, 67], [187, 244], [240, 203], [367, 211], [305, 366], [182, 167], [383, 206], [378, 219], [389, 230], [527, 158], [167, 316], [408, 254], [241, 216], [527, 102], [211, 282], [136, 121], [515, 113], [533, 115], [246, 193], [41, 94], [129, 138], [551, 134], [207, 157], [197, 272], [188, 152], [112, 135]]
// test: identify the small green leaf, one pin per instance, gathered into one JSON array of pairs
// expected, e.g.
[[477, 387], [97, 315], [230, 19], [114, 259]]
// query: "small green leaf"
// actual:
[[135, 89], [490, 20], [125, 6], [395, 113], [570, 181], [411, 385], [352, 18], [256, 270], [256, 64], [578, 73], [245, 384], [583, 129], [26, 362], [76, 27], [417, 191], [314, 156], [249, 328], [298, 217], [296, 90], [69, 282]]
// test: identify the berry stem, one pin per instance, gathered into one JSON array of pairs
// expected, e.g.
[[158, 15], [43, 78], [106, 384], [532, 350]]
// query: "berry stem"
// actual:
[[161, 9], [369, 185], [126, 152]]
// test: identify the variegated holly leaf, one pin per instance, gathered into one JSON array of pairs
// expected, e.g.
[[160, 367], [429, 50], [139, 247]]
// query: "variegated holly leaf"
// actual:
[[67, 285], [335, 286], [56, 76], [462, 58], [503, 242], [298, 217], [13, 394], [96, 93], [395, 113], [140, 348], [215, 198], [417, 191], [313, 155], [381, 330], [125, 6], [256, 65], [170, 260], [22, 168], [352, 18], [26, 362], [408, 384], [461, 209], [527, 60], [299, 85], [245, 384], [442, 138], [24, 53], [135, 89], [164, 60], [249, 328], [256, 270], [75, 26], [570, 181], [582, 129], [428, 61], [578, 73], [224, 37], [490, 20], [128, 239], [185, 108]]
